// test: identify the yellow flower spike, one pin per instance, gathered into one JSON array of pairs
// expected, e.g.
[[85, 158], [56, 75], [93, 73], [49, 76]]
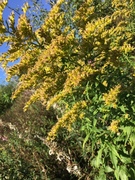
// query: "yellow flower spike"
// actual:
[[81, 115], [25, 7], [46, 62], [105, 83], [114, 126], [68, 119], [126, 116], [110, 98]]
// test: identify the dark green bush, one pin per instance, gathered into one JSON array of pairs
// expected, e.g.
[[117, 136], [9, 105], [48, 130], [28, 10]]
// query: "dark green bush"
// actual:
[[5, 96]]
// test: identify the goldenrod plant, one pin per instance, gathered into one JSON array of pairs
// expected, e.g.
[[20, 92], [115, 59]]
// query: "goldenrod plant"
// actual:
[[81, 59]]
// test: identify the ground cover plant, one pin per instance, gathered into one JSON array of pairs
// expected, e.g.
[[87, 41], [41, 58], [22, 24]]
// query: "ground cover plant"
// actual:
[[80, 63]]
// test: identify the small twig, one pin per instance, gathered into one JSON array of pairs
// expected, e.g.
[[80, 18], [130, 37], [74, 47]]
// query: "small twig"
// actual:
[[14, 10], [72, 167]]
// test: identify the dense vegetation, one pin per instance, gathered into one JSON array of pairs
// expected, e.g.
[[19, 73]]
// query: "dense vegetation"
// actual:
[[5, 96], [76, 83]]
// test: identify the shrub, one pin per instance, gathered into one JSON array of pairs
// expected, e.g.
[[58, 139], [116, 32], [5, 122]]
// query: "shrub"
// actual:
[[5, 96]]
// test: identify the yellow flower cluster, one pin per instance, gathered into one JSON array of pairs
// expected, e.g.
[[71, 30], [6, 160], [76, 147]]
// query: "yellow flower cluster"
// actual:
[[97, 27], [108, 63], [105, 83], [74, 78], [24, 28], [2, 6], [54, 59], [127, 48], [110, 98], [25, 7], [77, 75], [85, 11], [122, 3], [54, 21], [114, 126], [57, 97], [68, 119]]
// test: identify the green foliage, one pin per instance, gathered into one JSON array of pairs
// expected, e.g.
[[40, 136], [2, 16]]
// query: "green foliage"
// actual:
[[5, 96]]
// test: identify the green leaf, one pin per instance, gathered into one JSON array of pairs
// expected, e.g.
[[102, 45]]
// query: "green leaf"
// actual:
[[132, 138], [97, 160], [94, 122], [114, 159], [133, 108], [132, 142], [114, 151], [108, 169], [87, 91], [125, 160], [132, 149], [95, 112], [123, 173], [116, 173], [122, 108], [85, 140], [127, 130], [102, 175]]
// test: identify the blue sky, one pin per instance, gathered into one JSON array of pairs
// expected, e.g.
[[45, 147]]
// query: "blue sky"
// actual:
[[3, 48], [13, 4]]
